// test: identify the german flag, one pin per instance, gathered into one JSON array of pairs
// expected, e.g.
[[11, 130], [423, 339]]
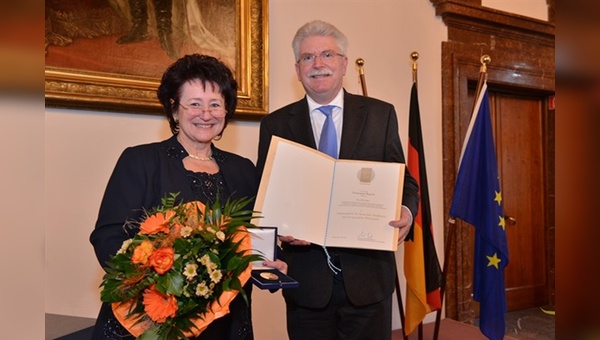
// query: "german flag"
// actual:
[[421, 265]]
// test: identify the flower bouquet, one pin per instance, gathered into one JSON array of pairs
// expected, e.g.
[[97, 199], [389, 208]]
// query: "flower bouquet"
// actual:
[[182, 269]]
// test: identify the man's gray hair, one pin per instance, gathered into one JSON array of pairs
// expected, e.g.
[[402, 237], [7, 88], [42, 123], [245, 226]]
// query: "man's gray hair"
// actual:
[[319, 28]]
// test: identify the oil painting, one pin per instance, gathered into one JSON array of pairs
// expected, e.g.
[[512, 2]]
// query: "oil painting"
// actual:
[[110, 55]]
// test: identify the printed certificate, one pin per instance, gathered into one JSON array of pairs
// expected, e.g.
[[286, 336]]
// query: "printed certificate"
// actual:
[[339, 203]]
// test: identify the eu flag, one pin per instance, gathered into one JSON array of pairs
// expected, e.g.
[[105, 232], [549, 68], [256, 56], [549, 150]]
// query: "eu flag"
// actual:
[[478, 201]]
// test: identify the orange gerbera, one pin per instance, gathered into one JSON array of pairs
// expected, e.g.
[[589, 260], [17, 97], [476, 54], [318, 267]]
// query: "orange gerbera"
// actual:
[[159, 306], [156, 223]]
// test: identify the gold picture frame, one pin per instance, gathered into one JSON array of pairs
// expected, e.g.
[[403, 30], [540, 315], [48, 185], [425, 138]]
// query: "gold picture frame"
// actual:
[[106, 91]]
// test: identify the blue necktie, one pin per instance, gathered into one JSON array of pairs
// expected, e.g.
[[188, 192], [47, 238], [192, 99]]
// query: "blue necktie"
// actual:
[[328, 140], [328, 145]]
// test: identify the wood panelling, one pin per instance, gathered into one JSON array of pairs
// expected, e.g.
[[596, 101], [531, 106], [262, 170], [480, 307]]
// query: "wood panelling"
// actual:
[[522, 54]]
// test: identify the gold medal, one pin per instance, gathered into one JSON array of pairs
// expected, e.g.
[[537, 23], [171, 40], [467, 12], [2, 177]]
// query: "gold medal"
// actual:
[[269, 276]]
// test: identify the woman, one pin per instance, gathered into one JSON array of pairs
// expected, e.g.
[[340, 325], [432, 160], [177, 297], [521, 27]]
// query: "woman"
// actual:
[[199, 96]]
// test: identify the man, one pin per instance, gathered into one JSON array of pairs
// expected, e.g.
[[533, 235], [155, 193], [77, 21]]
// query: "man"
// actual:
[[344, 293], [139, 26]]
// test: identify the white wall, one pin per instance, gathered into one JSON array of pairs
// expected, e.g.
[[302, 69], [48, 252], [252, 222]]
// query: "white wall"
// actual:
[[82, 146], [23, 210], [537, 9]]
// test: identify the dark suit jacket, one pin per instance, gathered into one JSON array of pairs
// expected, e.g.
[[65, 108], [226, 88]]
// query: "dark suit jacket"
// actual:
[[369, 132]]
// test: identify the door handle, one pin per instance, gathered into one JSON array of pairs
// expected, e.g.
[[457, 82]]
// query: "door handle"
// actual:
[[511, 219]]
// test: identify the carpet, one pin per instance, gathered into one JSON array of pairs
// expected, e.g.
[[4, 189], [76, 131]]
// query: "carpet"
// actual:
[[449, 330]]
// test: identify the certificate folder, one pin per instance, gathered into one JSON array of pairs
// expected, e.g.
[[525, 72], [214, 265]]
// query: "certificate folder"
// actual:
[[333, 202]]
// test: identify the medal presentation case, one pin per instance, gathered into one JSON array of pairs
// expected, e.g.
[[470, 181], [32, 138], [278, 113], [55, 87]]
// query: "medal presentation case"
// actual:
[[264, 242]]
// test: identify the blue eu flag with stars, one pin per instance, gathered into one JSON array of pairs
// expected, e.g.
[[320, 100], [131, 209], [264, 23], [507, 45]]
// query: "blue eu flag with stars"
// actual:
[[478, 201]]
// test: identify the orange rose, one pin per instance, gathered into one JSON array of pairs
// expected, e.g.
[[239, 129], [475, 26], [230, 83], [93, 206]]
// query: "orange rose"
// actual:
[[162, 259], [159, 306], [142, 252], [156, 223]]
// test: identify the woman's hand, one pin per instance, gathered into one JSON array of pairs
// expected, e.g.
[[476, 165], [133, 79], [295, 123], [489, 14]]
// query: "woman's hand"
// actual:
[[277, 264]]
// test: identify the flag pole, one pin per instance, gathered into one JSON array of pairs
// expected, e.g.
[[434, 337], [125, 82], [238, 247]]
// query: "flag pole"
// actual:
[[360, 62], [485, 59], [399, 298], [415, 56]]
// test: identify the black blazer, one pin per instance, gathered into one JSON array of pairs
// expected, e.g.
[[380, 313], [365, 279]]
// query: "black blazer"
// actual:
[[142, 176], [369, 132], [146, 173]]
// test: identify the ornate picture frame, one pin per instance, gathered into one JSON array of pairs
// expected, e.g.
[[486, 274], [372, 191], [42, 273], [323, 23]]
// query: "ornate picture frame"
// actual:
[[80, 88]]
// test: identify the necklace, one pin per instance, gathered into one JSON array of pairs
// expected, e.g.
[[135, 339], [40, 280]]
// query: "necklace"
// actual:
[[209, 158]]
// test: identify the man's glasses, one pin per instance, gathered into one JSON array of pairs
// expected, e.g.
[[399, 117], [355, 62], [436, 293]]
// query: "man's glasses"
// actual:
[[325, 56], [215, 109]]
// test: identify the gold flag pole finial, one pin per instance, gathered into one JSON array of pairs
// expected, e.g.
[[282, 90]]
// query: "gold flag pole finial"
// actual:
[[360, 62], [485, 60], [414, 56]]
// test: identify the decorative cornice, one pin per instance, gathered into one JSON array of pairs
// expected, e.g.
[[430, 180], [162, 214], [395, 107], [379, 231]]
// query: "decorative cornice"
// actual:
[[470, 16]]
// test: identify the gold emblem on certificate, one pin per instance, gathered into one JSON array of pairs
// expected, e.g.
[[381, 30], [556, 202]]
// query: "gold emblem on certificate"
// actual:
[[269, 276], [366, 175]]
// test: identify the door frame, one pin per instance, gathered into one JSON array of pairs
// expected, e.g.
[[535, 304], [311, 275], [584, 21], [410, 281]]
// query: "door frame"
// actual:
[[522, 59]]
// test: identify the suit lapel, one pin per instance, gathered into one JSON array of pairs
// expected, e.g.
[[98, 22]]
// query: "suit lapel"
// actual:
[[354, 118], [300, 125]]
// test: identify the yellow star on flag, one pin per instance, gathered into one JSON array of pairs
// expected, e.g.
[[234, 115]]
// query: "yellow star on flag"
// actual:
[[494, 260], [502, 222], [498, 197]]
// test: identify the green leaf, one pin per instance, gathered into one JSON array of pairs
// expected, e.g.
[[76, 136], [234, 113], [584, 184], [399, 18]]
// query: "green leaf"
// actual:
[[168, 202], [150, 334], [111, 292], [226, 284], [170, 283], [214, 258], [233, 263], [236, 283]]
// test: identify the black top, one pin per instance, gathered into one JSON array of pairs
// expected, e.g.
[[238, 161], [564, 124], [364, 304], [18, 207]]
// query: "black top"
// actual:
[[142, 176]]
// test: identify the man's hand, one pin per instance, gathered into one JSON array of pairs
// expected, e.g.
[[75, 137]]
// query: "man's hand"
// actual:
[[292, 241], [403, 224]]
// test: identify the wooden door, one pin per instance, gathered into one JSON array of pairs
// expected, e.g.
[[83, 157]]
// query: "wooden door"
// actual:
[[520, 76], [519, 134]]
